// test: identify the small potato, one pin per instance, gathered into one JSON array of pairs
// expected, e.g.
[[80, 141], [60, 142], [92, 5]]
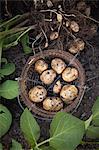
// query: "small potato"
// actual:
[[68, 93], [48, 76], [67, 23], [54, 36], [74, 26], [58, 65], [37, 94], [57, 87], [52, 104], [76, 46], [70, 74], [40, 66], [59, 18]]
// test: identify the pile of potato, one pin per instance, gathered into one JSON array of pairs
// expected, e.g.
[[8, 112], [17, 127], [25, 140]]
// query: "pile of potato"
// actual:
[[66, 93]]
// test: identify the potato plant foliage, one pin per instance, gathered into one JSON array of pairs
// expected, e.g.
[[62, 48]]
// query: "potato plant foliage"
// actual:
[[5, 120], [66, 131]]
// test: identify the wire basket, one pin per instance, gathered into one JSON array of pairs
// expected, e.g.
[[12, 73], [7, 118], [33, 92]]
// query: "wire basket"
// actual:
[[30, 78]]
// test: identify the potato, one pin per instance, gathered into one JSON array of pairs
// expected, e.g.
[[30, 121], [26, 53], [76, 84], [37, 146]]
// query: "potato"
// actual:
[[68, 93], [48, 76], [58, 65], [52, 104], [41, 66], [70, 74], [57, 87], [76, 46], [37, 94], [59, 18], [74, 26], [54, 36]]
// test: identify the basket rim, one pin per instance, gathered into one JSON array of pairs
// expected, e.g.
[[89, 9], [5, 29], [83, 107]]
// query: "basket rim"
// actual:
[[57, 53]]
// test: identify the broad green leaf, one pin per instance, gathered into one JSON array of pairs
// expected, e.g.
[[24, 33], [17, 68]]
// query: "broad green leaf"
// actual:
[[5, 120], [25, 44], [29, 127], [9, 89], [7, 69], [47, 148], [92, 132], [95, 111], [16, 145], [1, 147], [66, 131]]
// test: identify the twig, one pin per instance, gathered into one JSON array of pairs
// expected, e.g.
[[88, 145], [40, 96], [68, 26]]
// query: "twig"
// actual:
[[69, 33], [67, 15], [22, 23], [79, 100], [46, 44], [49, 10], [37, 38], [90, 18], [49, 20], [6, 8], [91, 47], [54, 82], [92, 78], [59, 27], [41, 51], [20, 103], [71, 61]]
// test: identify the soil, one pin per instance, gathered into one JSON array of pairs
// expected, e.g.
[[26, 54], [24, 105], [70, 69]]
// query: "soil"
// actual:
[[90, 61]]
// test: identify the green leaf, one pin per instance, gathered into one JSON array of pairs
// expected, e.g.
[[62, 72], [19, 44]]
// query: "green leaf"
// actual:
[[4, 60], [7, 69], [29, 127], [47, 148], [16, 145], [2, 76], [25, 44], [9, 89], [95, 111], [92, 132], [5, 120], [66, 131], [1, 147], [9, 40]]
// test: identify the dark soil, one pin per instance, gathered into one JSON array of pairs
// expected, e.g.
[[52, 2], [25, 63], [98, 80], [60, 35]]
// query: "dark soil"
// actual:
[[90, 61]]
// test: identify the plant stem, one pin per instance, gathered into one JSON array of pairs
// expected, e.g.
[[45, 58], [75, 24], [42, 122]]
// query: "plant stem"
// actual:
[[15, 30], [16, 41], [11, 31], [30, 28], [14, 20], [42, 143], [88, 121]]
